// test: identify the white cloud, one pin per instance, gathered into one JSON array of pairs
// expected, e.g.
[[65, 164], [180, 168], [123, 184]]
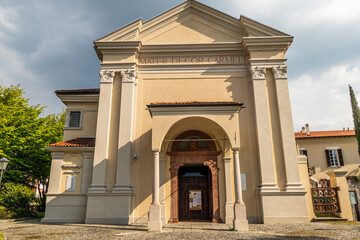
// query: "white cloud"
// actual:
[[322, 99]]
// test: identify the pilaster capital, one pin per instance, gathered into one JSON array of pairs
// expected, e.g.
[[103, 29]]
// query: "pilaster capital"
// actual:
[[88, 155], [106, 76], [280, 72], [129, 76], [257, 72]]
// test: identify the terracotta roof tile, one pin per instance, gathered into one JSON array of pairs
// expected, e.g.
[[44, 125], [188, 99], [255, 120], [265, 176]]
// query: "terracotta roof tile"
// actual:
[[77, 142], [78, 91], [191, 103], [318, 134]]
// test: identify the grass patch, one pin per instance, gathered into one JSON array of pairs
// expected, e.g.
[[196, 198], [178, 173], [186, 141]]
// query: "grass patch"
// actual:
[[40, 214], [2, 237]]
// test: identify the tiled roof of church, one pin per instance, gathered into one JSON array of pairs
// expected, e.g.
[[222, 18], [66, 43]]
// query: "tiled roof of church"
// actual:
[[78, 91], [320, 134], [193, 103], [77, 142]]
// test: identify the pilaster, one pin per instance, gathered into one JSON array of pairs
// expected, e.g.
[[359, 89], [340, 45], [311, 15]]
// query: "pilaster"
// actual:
[[88, 159], [229, 204], [162, 189], [55, 172], [126, 133], [286, 129], [101, 152], [263, 129]]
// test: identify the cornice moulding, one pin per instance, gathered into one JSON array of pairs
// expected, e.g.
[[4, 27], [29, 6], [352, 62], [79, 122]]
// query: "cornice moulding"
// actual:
[[267, 43], [202, 110], [70, 149], [78, 98], [255, 28], [267, 62]]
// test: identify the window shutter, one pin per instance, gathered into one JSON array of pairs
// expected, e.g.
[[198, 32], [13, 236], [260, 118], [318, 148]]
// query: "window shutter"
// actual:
[[327, 153], [341, 160]]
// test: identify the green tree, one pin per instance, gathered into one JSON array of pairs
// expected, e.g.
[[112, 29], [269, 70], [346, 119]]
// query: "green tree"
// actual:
[[24, 133], [356, 116]]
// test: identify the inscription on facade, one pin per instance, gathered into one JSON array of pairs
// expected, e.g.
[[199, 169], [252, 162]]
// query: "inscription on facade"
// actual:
[[191, 60]]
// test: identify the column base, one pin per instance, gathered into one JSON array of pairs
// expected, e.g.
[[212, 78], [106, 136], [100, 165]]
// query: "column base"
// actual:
[[229, 213], [154, 223], [294, 187], [97, 188], [126, 190], [240, 222], [163, 212]]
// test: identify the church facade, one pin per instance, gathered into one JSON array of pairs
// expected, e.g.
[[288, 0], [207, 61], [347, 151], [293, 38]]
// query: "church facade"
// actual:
[[192, 122]]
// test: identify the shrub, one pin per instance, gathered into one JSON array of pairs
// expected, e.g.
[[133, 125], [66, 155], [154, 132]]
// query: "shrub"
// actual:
[[4, 214], [17, 199]]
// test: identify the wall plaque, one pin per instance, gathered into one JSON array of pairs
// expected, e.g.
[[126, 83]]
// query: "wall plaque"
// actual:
[[195, 200]]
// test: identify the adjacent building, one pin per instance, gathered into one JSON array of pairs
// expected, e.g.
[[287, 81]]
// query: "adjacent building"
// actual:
[[333, 156]]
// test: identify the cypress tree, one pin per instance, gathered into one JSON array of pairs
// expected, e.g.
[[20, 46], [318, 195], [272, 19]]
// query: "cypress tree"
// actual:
[[356, 116]]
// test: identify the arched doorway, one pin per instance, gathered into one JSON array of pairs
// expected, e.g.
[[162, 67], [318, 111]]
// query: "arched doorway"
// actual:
[[194, 178]]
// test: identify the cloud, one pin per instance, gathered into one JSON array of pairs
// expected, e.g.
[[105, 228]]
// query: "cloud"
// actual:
[[323, 100], [47, 45]]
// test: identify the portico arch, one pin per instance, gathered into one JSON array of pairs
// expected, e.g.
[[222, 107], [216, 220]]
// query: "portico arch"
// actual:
[[187, 151], [220, 120]]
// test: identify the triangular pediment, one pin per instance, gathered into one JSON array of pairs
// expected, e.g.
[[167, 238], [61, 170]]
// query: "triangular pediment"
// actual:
[[190, 22]]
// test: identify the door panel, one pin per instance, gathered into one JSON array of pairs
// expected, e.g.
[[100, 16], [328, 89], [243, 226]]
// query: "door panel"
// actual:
[[197, 184]]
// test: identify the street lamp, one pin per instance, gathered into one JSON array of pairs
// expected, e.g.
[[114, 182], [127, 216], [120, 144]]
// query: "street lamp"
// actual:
[[3, 164]]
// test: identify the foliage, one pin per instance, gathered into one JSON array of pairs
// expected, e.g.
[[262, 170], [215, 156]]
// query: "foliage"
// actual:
[[18, 199], [24, 135], [356, 116], [4, 213]]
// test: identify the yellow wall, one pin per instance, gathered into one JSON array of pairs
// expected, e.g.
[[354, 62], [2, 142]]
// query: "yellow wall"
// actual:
[[316, 151]]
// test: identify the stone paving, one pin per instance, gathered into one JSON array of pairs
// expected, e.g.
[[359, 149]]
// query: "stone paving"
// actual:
[[33, 229], [196, 226]]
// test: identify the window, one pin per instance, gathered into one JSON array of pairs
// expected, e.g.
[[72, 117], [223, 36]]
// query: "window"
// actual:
[[334, 157], [73, 119], [70, 183], [353, 198], [303, 151]]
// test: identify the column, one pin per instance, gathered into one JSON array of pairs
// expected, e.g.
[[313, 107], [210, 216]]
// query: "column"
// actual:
[[229, 205], [154, 223], [287, 131], [162, 189], [102, 132], [86, 171], [240, 221], [123, 182], [55, 172], [263, 130]]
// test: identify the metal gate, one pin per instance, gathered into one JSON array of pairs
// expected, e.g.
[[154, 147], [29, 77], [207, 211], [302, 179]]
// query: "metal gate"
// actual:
[[325, 199]]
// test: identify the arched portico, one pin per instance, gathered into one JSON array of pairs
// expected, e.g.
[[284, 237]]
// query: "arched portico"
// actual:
[[166, 125], [187, 151]]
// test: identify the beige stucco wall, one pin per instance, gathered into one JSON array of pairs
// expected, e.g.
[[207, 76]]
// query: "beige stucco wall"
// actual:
[[214, 66], [316, 151], [89, 118]]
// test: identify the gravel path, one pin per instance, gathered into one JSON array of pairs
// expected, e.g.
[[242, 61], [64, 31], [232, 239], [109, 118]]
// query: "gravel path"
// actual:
[[33, 229]]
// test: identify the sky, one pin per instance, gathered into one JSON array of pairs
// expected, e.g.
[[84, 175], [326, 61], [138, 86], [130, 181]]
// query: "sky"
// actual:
[[48, 45]]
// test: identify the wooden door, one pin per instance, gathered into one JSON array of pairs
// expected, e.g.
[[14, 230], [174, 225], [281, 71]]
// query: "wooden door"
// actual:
[[194, 202]]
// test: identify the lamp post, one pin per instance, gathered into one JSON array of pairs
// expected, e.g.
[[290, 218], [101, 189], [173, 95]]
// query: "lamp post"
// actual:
[[3, 164]]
